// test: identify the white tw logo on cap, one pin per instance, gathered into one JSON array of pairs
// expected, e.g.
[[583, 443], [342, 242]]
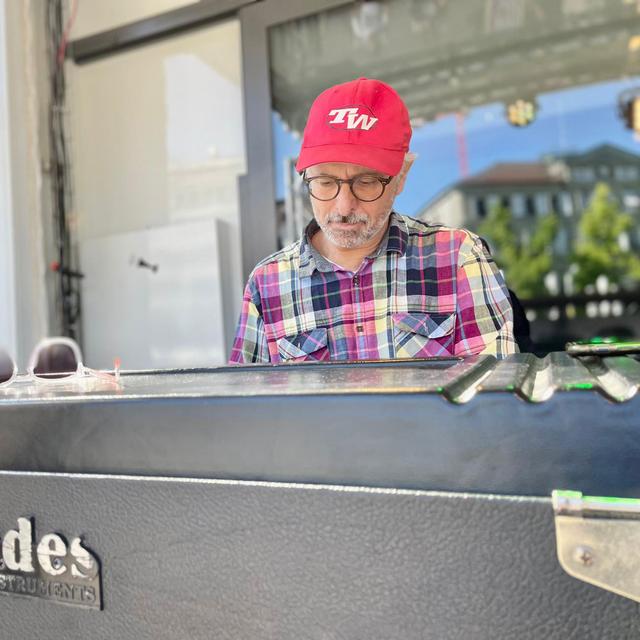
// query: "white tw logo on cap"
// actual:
[[354, 119]]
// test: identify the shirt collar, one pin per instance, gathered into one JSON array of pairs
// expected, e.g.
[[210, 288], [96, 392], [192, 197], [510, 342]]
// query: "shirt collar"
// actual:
[[394, 241]]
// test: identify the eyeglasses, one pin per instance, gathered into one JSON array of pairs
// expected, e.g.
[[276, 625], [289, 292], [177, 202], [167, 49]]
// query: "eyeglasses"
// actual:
[[53, 360], [365, 188]]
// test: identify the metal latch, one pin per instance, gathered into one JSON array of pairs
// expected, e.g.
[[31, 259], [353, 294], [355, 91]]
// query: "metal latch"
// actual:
[[598, 540]]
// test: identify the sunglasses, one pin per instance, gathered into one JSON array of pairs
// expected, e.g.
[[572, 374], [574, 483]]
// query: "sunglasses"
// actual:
[[53, 360]]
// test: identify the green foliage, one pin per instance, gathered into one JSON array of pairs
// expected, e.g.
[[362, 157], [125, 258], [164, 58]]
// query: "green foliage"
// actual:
[[525, 264], [598, 251]]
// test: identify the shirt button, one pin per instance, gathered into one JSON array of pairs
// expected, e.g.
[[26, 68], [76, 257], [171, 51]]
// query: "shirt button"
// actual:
[[356, 281], [359, 328]]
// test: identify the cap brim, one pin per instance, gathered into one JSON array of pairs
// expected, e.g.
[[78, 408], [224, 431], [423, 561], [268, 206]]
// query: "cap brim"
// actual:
[[387, 161]]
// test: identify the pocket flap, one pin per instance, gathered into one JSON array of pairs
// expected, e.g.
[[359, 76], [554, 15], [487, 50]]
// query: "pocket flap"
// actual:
[[302, 344], [431, 325]]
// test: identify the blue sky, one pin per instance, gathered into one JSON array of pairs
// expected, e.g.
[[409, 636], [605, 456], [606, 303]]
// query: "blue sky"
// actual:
[[569, 121]]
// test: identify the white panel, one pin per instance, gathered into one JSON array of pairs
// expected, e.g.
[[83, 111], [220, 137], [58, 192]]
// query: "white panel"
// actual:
[[94, 16], [168, 318]]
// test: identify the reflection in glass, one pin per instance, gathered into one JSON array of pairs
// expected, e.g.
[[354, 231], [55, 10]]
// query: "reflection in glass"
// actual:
[[56, 361], [7, 367], [540, 192]]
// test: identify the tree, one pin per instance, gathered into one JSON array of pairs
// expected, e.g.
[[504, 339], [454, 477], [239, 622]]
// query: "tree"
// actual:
[[525, 264], [598, 251]]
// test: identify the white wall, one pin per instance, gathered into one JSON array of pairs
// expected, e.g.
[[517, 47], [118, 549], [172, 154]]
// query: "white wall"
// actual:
[[448, 210], [7, 275], [95, 16], [23, 297]]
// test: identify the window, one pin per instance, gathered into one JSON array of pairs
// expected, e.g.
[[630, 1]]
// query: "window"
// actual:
[[481, 208], [561, 243], [542, 204], [464, 142], [566, 204], [530, 206], [158, 148], [624, 242], [584, 174], [585, 198], [625, 174], [630, 199], [493, 202], [517, 205]]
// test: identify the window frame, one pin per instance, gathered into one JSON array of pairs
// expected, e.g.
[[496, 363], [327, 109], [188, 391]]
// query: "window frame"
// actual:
[[258, 219]]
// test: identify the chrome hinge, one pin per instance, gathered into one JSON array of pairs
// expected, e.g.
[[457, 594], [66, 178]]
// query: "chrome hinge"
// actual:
[[598, 540]]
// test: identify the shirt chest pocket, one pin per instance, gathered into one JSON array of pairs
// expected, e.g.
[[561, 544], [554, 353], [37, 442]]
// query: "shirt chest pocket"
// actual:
[[308, 345], [423, 334]]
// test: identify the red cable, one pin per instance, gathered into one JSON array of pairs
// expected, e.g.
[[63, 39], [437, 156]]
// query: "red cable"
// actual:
[[463, 160], [67, 30]]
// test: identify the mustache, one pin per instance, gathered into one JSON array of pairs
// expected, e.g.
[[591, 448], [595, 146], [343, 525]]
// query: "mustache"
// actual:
[[352, 218]]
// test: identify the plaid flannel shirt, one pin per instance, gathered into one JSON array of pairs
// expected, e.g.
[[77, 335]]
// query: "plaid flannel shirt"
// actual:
[[427, 290]]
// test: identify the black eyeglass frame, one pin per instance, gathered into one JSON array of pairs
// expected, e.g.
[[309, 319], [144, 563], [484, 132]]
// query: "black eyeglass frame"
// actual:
[[383, 181]]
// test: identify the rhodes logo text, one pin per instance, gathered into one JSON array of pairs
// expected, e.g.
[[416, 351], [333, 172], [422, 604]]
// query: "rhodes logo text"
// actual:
[[65, 573]]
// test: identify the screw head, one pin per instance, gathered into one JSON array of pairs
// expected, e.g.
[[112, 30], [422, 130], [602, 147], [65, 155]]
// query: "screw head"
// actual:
[[584, 555], [56, 563]]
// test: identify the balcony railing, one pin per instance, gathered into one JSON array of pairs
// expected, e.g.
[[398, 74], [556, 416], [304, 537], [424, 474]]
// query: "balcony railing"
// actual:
[[556, 320]]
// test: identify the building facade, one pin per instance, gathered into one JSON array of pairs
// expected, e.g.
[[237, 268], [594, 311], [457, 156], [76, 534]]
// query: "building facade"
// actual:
[[563, 185]]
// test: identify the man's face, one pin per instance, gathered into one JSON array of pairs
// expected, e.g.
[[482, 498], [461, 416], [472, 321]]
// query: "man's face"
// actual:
[[347, 222]]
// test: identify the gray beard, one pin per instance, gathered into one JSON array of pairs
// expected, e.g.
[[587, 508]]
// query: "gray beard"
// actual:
[[350, 239]]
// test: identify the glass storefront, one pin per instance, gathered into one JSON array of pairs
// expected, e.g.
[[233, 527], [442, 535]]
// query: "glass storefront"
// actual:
[[526, 117]]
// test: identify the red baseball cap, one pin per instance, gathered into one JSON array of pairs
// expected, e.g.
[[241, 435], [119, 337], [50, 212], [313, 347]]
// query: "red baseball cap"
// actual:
[[362, 122]]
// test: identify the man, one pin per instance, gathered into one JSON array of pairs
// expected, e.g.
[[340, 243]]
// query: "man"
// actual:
[[364, 282]]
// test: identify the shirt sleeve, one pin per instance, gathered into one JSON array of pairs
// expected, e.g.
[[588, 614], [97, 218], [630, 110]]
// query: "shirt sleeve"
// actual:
[[250, 343], [484, 314]]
